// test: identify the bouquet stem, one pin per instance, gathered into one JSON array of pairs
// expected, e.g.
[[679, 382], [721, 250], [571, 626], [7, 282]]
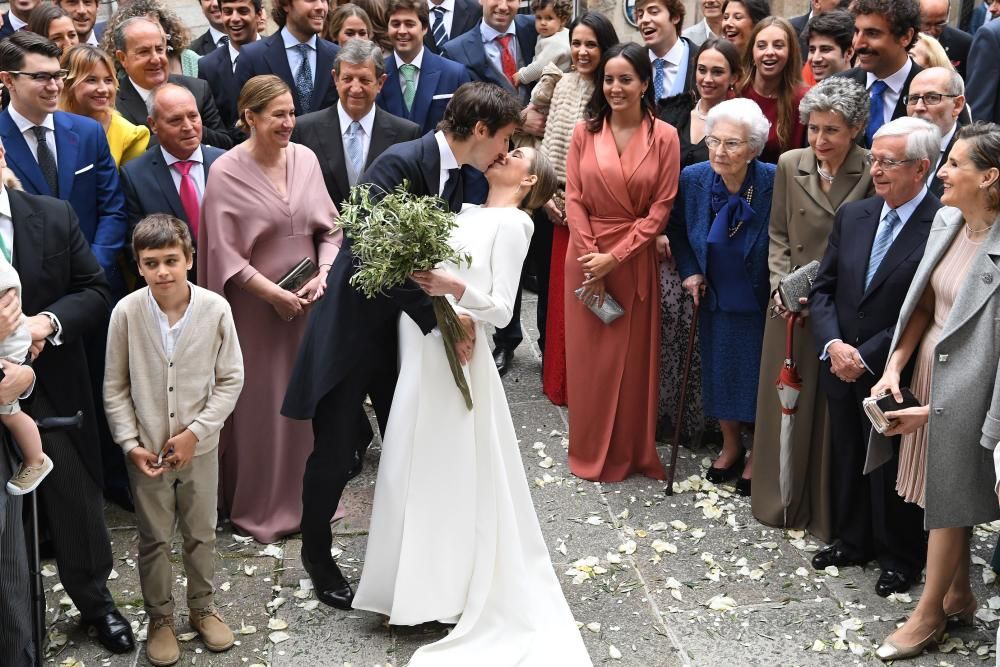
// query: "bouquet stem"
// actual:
[[453, 333]]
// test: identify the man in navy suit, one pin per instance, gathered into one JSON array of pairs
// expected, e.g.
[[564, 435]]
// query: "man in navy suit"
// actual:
[[60, 154], [983, 84], [502, 43], [218, 68], [349, 348], [934, 22], [17, 18], [873, 252], [215, 37], [296, 54], [154, 182], [83, 13], [359, 73], [419, 84], [450, 19]]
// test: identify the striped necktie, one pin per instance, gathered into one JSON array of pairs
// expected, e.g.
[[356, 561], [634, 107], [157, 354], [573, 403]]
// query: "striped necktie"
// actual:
[[881, 245], [437, 30]]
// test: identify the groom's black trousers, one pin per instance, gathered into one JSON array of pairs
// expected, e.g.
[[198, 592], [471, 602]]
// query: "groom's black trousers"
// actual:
[[342, 432]]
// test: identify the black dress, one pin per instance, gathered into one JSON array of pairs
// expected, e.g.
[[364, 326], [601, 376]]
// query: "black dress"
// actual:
[[690, 153]]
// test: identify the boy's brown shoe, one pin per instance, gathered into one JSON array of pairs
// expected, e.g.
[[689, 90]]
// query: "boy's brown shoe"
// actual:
[[161, 641], [213, 630]]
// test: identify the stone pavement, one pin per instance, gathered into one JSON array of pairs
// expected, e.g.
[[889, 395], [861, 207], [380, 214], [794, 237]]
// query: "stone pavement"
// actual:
[[688, 580]]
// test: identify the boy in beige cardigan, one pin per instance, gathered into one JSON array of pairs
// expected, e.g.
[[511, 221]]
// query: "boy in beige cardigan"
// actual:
[[173, 373]]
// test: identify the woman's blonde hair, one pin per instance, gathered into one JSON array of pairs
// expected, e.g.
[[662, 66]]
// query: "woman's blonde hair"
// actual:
[[936, 55], [335, 21], [80, 61], [257, 93], [545, 186]]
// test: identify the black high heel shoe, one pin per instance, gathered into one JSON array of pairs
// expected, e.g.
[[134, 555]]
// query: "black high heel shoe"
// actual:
[[719, 475]]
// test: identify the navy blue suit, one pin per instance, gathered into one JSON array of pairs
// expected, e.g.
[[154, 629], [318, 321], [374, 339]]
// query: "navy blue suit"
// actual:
[[438, 80], [269, 56], [466, 17], [88, 180], [982, 90], [6, 30], [469, 50], [216, 69], [869, 517]]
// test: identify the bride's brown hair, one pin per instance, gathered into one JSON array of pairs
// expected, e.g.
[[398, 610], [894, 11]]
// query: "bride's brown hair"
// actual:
[[545, 186]]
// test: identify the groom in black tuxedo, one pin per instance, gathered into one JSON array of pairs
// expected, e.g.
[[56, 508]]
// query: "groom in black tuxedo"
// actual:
[[349, 348]]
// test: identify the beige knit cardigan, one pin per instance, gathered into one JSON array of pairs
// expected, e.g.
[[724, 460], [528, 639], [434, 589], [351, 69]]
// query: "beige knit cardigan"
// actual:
[[568, 102]]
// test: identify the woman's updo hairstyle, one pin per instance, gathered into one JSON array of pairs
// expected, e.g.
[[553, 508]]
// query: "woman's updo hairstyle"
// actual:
[[257, 93]]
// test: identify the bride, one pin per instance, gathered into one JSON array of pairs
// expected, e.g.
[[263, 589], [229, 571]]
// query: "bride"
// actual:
[[454, 537]]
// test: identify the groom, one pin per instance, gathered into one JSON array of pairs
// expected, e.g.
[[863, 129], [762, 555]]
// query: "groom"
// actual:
[[349, 348]]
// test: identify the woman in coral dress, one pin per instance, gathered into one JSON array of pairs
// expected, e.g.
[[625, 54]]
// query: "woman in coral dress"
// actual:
[[621, 180]]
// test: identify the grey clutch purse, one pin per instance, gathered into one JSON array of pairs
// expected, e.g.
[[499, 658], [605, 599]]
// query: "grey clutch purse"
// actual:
[[798, 284], [608, 312]]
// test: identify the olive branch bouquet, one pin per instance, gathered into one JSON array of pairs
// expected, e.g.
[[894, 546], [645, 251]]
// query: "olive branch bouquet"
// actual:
[[396, 233]]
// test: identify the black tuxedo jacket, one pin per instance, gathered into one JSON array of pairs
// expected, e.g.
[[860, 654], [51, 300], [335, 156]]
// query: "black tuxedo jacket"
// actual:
[[956, 44], [467, 14], [468, 49], [131, 106], [204, 44], [841, 307], [321, 132], [216, 69], [268, 56], [344, 323], [60, 275]]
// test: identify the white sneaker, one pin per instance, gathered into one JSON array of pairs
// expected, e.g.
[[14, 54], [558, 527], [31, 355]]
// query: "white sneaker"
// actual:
[[28, 477]]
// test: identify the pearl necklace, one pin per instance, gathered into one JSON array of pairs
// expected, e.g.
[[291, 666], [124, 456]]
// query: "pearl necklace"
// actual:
[[823, 174], [698, 113]]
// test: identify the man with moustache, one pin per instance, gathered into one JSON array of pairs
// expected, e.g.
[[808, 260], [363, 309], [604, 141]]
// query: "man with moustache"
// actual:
[[937, 95], [672, 56], [215, 36], [296, 54], [830, 36], [218, 68], [709, 27], [934, 22], [83, 13]]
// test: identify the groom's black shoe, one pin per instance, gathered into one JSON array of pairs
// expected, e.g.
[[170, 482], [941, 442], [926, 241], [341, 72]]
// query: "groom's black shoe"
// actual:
[[331, 587], [504, 359]]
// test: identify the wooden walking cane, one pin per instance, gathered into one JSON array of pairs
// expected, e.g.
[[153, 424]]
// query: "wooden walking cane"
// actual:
[[676, 440]]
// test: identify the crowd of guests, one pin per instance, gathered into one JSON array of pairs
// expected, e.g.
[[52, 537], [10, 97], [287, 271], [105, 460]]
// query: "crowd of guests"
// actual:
[[695, 172]]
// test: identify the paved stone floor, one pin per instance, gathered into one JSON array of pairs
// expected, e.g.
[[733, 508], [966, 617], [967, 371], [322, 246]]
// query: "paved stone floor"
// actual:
[[654, 581]]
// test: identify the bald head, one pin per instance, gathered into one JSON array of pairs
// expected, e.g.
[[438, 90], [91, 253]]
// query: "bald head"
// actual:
[[934, 16], [175, 120], [928, 86]]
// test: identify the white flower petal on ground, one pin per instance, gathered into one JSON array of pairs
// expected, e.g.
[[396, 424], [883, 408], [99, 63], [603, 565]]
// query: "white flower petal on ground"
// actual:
[[711, 512], [902, 598], [796, 534], [113, 575], [989, 576], [561, 548], [186, 636], [659, 546], [756, 574], [594, 627], [225, 586], [614, 653], [802, 572], [309, 605], [240, 539], [697, 534], [628, 548], [819, 646], [278, 637], [832, 570], [49, 571], [855, 648], [547, 462], [249, 570], [594, 520], [274, 551], [614, 559], [658, 526], [721, 603], [247, 629], [277, 624], [677, 524], [275, 603]]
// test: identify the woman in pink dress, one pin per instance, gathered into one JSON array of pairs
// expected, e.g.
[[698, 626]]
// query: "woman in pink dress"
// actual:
[[621, 180], [265, 209]]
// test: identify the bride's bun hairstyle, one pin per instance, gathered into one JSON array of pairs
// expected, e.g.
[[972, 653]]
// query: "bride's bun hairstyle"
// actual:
[[546, 184]]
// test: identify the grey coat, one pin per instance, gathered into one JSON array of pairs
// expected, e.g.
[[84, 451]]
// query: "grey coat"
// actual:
[[965, 391]]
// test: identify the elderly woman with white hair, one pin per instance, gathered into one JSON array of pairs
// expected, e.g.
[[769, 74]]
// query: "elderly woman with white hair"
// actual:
[[810, 185], [718, 234]]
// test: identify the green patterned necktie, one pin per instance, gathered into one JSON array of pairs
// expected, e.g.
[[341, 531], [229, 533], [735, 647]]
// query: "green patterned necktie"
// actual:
[[408, 72]]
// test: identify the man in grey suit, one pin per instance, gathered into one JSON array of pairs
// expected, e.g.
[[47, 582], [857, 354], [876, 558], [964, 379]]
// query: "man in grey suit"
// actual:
[[170, 178], [348, 136]]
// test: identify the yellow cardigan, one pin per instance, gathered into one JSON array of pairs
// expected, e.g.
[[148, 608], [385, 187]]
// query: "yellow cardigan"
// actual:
[[127, 141]]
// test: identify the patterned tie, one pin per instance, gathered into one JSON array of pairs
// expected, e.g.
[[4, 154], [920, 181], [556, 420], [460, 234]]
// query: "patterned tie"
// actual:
[[876, 119], [507, 61], [224, 40], [408, 72], [437, 30], [189, 194], [659, 78], [881, 245], [47, 161], [304, 79], [354, 150]]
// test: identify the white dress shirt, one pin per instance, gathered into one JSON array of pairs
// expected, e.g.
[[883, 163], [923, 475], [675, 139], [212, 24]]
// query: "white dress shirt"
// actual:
[[25, 126], [216, 35], [492, 47], [676, 59], [16, 23], [367, 122], [448, 161], [92, 39], [197, 171], [233, 55], [144, 93], [416, 62], [168, 334], [936, 164], [294, 57], [449, 16], [894, 83]]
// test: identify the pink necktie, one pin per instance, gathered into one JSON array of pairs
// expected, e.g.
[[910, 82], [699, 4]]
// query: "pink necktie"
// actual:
[[189, 195]]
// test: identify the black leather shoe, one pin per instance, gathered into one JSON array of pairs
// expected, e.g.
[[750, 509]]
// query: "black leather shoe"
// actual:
[[329, 583], [891, 581], [835, 555], [719, 475], [113, 631], [743, 487], [504, 359]]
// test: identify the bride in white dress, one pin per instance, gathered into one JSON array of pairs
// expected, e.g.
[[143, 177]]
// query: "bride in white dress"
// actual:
[[453, 536]]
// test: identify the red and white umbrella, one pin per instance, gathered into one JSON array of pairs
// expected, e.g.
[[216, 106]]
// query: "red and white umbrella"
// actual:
[[789, 385]]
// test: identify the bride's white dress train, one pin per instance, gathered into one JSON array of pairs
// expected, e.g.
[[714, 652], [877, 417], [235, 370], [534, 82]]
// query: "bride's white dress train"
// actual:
[[454, 535]]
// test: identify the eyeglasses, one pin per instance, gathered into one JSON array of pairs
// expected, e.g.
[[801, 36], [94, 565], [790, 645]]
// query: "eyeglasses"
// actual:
[[731, 145], [42, 77], [930, 99], [885, 164]]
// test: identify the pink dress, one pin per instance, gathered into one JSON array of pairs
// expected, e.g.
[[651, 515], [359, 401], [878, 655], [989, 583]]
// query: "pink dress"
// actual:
[[247, 228]]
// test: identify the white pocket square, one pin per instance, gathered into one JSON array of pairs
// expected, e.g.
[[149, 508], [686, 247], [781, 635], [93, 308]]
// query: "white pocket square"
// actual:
[[446, 96], [80, 171]]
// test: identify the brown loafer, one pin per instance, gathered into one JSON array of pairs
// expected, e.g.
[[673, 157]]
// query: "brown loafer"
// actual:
[[161, 642], [213, 630]]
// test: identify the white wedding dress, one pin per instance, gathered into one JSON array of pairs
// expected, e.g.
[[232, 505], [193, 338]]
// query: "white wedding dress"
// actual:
[[453, 534]]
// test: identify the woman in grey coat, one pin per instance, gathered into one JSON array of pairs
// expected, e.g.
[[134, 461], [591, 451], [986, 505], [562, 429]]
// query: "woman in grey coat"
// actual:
[[948, 327]]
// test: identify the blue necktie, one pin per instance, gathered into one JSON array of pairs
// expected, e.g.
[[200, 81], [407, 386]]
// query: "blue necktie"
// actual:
[[881, 245], [876, 117], [659, 78], [437, 30], [304, 79], [354, 150]]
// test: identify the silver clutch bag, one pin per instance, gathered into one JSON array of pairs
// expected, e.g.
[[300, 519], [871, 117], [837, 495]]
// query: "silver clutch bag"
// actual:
[[607, 312], [798, 284]]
